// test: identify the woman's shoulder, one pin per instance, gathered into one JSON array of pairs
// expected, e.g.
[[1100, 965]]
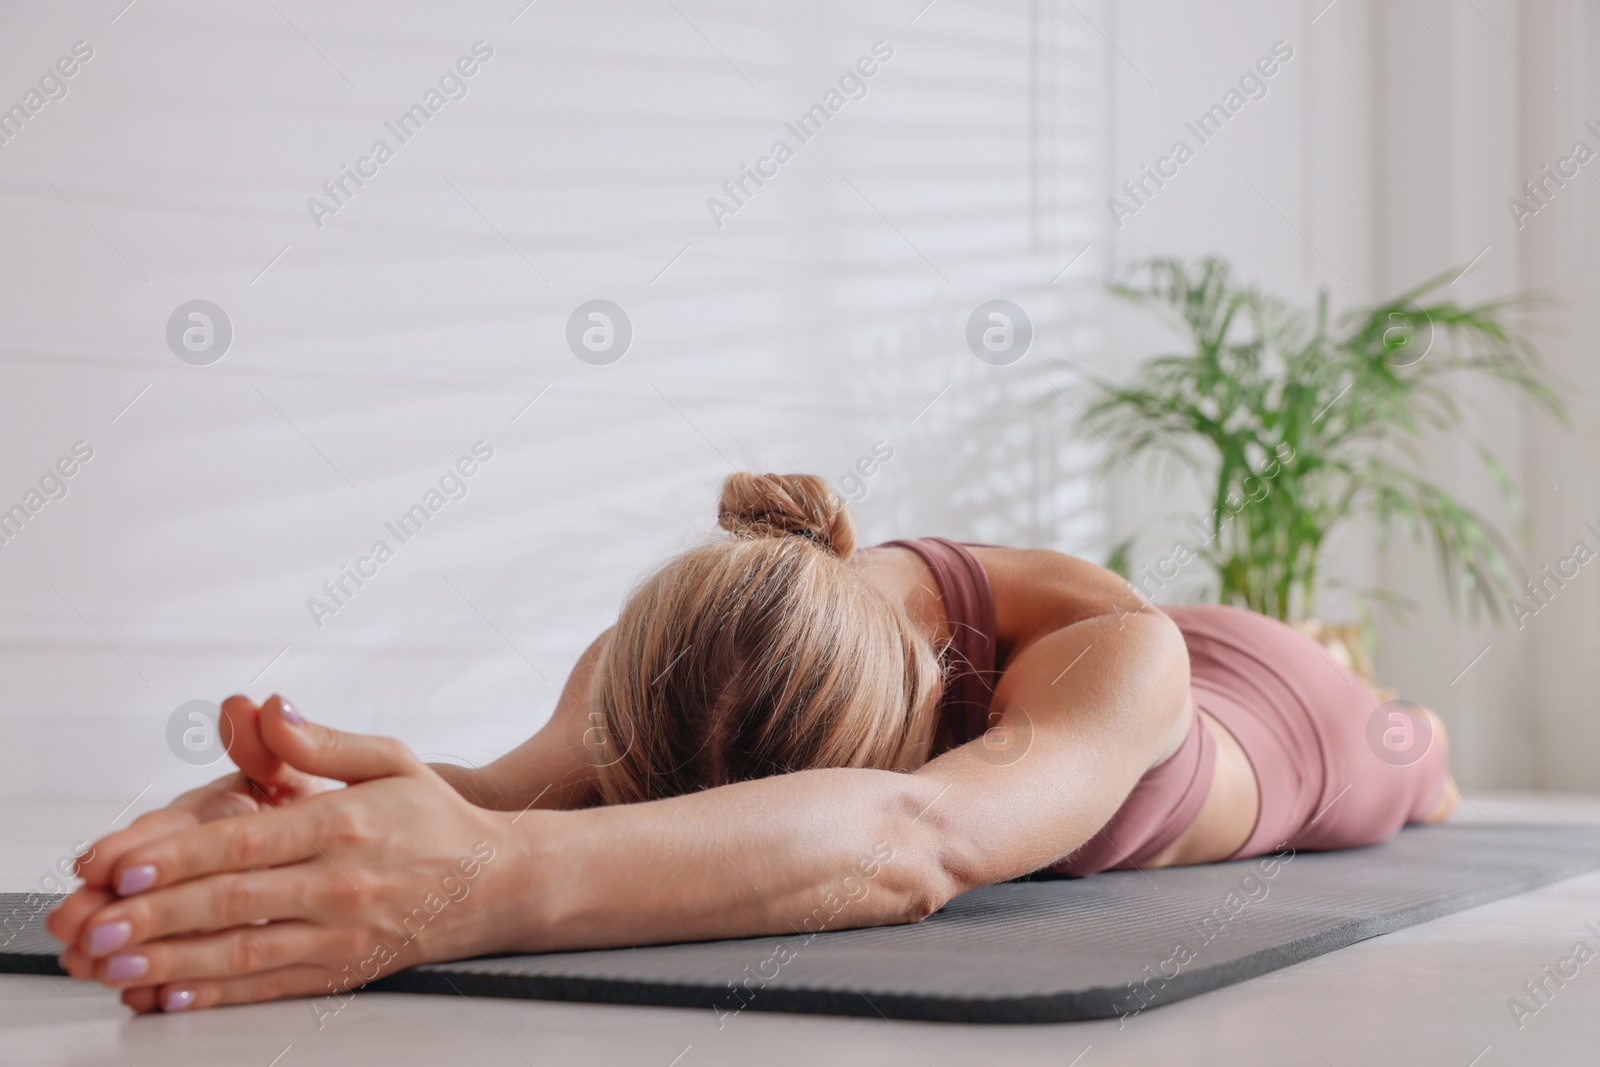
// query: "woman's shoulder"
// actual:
[[1037, 590]]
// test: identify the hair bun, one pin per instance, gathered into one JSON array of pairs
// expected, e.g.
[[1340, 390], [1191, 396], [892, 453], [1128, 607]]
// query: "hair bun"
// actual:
[[781, 505]]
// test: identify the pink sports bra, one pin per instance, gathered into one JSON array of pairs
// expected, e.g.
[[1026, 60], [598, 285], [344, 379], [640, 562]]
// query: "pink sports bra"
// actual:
[[1163, 803]]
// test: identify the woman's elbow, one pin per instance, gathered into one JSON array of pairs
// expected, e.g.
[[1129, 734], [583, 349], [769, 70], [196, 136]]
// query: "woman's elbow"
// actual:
[[936, 863]]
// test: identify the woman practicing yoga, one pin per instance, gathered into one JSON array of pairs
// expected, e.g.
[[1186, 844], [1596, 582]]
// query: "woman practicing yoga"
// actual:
[[780, 734]]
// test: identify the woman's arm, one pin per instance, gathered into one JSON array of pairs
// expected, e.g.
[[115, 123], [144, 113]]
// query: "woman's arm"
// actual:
[[779, 855], [1091, 698], [1091, 705], [365, 880]]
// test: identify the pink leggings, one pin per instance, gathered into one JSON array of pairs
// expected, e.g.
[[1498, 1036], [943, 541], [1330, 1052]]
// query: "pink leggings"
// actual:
[[1303, 722]]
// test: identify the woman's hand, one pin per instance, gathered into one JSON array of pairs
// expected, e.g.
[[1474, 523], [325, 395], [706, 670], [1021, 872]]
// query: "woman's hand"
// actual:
[[318, 897], [262, 779]]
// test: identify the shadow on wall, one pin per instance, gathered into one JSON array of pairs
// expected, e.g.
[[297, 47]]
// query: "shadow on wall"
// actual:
[[998, 438]]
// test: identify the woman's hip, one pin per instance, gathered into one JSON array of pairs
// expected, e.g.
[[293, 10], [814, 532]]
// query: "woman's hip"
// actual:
[[1321, 743]]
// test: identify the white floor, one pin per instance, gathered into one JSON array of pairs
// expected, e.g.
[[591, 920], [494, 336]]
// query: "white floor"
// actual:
[[1433, 994]]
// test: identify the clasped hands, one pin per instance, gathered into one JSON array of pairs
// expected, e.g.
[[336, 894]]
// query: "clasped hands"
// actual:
[[266, 883]]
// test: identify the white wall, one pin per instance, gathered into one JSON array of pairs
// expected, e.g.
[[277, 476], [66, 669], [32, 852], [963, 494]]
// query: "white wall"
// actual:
[[1445, 146], [1477, 101], [1555, 253], [1284, 192], [823, 317], [1388, 153], [427, 312]]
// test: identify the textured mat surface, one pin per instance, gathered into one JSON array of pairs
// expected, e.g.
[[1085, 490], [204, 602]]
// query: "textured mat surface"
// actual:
[[1047, 951]]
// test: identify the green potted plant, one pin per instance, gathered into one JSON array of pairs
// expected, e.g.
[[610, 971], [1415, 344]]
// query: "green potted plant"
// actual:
[[1297, 421]]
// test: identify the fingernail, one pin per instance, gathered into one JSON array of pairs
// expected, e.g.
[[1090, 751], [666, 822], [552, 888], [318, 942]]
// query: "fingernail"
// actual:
[[108, 937], [122, 968], [290, 712], [136, 879], [178, 1000]]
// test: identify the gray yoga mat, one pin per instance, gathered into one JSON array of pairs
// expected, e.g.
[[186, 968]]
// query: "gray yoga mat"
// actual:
[[1034, 951]]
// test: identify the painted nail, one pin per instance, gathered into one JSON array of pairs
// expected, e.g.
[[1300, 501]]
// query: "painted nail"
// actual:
[[126, 966], [290, 712], [108, 937], [136, 879], [178, 1000]]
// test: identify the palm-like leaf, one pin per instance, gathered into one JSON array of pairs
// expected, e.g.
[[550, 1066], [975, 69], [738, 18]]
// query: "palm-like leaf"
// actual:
[[1298, 423]]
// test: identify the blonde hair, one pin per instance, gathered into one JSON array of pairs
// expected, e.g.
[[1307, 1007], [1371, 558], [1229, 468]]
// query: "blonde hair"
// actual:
[[761, 653]]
